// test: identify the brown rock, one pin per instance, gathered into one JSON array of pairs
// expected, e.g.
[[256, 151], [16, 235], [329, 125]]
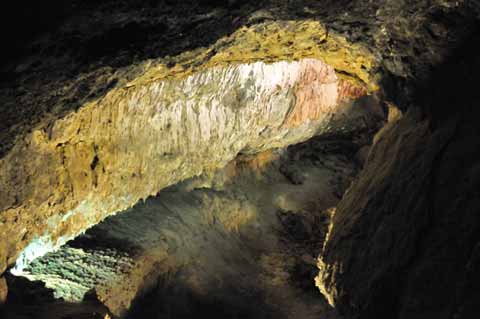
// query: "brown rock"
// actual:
[[402, 237], [3, 290]]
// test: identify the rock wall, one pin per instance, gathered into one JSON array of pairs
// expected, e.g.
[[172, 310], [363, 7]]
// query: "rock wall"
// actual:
[[404, 240], [241, 241], [136, 141], [72, 137]]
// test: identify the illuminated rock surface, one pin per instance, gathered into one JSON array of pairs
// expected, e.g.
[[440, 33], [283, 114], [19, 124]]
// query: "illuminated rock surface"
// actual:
[[136, 141], [241, 237], [91, 133], [111, 101], [3, 291]]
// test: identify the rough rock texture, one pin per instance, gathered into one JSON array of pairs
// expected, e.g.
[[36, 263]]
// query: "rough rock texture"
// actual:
[[136, 141], [46, 88], [100, 52], [3, 291], [73, 272], [242, 237], [404, 240], [400, 241], [83, 109]]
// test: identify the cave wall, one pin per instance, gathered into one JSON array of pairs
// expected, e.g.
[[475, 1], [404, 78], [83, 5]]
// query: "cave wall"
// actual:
[[404, 241], [222, 239], [394, 45], [136, 141], [76, 146]]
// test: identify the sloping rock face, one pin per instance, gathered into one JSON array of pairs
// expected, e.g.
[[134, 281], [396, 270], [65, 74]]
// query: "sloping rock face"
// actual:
[[404, 241]]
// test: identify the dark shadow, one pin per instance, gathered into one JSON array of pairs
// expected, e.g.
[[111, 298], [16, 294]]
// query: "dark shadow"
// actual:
[[437, 60], [31, 299], [448, 97], [171, 299], [452, 89]]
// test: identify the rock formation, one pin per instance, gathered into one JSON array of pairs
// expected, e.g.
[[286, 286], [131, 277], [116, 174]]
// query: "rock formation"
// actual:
[[213, 238], [406, 234], [3, 291], [140, 139], [118, 100]]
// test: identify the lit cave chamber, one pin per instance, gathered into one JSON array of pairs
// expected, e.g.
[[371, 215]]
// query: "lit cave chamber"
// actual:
[[240, 159]]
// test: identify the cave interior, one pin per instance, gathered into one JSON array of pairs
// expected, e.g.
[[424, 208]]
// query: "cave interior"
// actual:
[[240, 159]]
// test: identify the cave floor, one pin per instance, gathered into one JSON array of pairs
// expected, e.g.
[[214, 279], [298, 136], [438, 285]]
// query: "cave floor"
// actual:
[[237, 243]]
